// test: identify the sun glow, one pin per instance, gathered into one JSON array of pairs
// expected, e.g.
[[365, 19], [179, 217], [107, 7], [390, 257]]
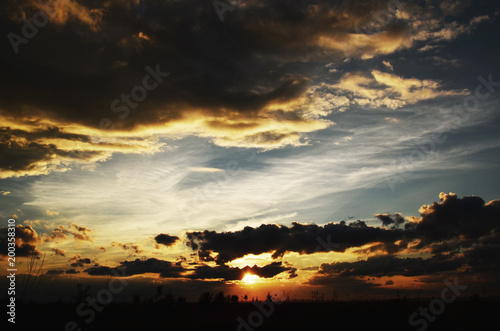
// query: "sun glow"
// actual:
[[250, 278]]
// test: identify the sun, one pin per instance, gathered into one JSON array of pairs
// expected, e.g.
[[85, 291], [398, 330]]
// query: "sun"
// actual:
[[250, 278]]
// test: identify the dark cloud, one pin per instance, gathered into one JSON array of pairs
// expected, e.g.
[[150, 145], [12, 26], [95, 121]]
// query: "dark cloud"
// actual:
[[165, 239], [26, 241], [167, 269], [245, 80], [479, 259], [32, 152], [72, 271], [77, 261], [55, 272], [227, 273], [139, 266], [396, 220], [390, 265], [133, 248], [465, 219], [462, 235], [58, 251], [300, 238], [444, 226]]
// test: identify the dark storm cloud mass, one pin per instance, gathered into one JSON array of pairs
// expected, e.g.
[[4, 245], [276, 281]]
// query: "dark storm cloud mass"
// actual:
[[137, 267], [26, 241], [300, 238], [167, 269], [27, 152], [389, 265], [466, 219], [462, 235], [444, 227], [244, 80], [166, 239], [228, 273], [77, 261], [395, 220], [480, 259]]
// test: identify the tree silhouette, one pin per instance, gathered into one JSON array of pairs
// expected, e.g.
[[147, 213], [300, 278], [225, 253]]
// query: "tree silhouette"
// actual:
[[205, 299]]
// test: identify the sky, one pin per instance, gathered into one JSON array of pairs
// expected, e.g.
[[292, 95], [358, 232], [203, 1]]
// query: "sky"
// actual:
[[316, 145]]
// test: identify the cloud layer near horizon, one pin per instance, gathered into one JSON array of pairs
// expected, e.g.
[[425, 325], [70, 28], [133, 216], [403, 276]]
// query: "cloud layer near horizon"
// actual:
[[455, 236], [452, 237]]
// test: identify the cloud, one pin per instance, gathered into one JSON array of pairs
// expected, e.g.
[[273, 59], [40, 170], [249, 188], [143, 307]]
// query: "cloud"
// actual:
[[38, 147], [51, 213], [4, 193], [446, 225], [389, 265], [58, 251], [466, 219], [228, 273], [300, 238], [77, 261], [135, 249], [55, 272], [242, 90], [458, 235], [167, 269], [388, 65], [26, 242], [479, 19], [206, 169], [137, 267], [165, 239], [480, 258], [396, 220], [59, 12], [80, 233], [384, 89]]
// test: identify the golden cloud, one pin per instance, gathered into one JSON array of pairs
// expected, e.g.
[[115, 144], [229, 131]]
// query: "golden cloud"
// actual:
[[389, 90]]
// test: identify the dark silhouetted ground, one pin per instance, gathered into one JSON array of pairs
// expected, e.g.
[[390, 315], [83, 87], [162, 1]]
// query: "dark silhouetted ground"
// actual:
[[382, 315]]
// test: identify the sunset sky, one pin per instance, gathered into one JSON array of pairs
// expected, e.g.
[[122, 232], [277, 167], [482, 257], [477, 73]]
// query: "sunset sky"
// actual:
[[309, 145]]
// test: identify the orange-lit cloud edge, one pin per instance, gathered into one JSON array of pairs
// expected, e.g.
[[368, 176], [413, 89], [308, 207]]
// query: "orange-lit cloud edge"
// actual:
[[72, 252], [276, 124]]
